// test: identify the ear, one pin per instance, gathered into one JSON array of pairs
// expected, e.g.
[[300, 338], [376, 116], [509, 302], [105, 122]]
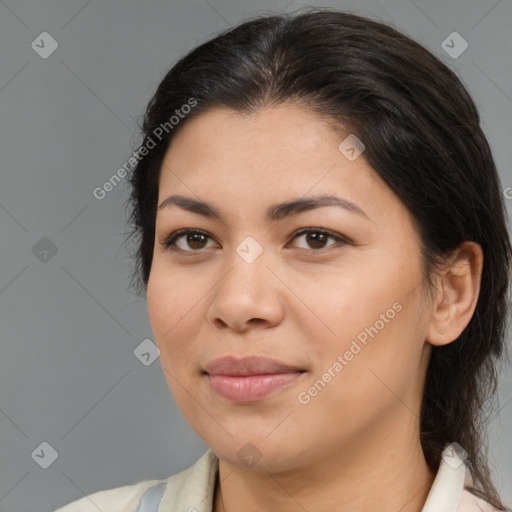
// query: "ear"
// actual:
[[457, 295]]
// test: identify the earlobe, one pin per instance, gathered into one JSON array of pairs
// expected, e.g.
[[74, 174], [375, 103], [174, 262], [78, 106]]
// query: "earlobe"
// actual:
[[458, 293]]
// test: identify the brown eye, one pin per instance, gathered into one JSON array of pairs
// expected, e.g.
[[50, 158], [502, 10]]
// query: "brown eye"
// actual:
[[193, 240], [317, 238]]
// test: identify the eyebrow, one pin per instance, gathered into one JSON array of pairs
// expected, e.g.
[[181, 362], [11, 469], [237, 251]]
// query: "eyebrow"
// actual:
[[275, 212]]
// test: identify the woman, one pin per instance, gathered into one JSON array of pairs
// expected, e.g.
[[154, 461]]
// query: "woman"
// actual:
[[325, 256]]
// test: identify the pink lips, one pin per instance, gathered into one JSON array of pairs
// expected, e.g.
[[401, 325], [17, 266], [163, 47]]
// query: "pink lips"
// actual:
[[250, 378]]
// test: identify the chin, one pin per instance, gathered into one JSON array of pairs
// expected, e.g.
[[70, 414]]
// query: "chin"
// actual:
[[259, 453]]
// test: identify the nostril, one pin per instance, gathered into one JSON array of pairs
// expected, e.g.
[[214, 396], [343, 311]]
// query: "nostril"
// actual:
[[256, 321]]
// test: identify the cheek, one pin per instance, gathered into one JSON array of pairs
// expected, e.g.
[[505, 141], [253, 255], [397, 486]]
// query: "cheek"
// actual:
[[373, 324], [384, 366], [170, 311], [172, 296], [344, 303]]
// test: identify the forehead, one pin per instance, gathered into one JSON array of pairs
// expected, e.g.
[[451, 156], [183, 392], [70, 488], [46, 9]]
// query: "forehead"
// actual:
[[273, 155], [274, 131]]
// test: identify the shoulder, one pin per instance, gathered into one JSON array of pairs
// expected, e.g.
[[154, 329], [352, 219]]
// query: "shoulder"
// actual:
[[193, 486], [472, 503], [125, 498]]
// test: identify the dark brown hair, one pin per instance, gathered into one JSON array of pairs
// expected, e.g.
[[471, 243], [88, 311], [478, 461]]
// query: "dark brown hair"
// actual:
[[422, 135]]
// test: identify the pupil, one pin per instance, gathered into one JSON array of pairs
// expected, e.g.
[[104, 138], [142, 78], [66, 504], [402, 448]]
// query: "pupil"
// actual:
[[195, 240], [191, 240], [316, 238]]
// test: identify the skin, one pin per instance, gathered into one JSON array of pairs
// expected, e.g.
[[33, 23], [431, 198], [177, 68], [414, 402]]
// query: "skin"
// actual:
[[355, 445]]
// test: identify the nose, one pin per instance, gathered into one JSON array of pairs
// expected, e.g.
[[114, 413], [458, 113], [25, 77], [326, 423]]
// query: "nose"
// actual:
[[249, 295]]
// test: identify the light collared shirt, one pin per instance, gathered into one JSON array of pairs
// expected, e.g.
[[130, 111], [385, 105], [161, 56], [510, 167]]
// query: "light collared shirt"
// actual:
[[192, 490]]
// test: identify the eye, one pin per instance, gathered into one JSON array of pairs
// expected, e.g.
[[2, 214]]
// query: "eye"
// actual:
[[317, 238], [193, 238], [196, 240]]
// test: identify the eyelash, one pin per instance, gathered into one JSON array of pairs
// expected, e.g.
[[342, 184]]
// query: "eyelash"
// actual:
[[169, 242]]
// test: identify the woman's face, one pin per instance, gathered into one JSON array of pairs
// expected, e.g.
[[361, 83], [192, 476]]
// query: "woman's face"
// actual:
[[349, 316]]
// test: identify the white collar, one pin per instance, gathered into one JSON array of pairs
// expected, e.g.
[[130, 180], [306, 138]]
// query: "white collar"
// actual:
[[446, 490], [193, 489]]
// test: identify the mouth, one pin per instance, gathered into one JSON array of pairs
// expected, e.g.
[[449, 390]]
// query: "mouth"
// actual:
[[248, 365], [250, 379]]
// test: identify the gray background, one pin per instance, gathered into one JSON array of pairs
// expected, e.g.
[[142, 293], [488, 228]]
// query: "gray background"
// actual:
[[69, 325]]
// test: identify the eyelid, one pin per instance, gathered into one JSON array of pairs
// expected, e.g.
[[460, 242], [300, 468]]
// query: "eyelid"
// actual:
[[170, 240], [336, 236]]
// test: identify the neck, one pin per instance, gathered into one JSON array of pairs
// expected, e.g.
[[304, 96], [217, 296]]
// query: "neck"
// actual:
[[385, 472]]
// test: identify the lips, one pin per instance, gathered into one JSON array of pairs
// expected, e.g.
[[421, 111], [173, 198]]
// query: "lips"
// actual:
[[251, 378], [248, 365]]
